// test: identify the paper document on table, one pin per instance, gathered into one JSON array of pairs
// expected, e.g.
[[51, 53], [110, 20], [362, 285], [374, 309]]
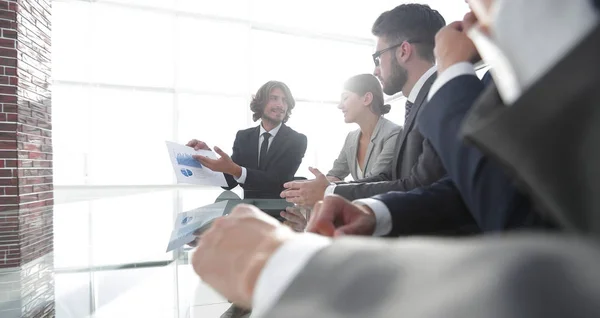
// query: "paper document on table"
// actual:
[[189, 170], [194, 220]]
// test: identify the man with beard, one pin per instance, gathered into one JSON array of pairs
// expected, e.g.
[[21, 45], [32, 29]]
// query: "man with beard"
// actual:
[[266, 156], [404, 62], [541, 124]]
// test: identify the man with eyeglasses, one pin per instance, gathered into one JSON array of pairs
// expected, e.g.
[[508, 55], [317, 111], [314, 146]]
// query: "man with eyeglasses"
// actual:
[[404, 62]]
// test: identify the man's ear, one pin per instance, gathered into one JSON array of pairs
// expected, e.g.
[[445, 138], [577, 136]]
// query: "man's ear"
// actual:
[[404, 52]]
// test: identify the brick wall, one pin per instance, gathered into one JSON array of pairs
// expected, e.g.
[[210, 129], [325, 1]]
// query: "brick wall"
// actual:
[[26, 192]]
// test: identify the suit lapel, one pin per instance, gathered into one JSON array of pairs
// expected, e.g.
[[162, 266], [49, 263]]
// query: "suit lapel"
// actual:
[[277, 145], [410, 121], [417, 106], [253, 146], [352, 153], [380, 123]]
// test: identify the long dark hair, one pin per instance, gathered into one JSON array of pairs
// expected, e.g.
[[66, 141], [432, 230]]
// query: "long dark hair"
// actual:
[[260, 100]]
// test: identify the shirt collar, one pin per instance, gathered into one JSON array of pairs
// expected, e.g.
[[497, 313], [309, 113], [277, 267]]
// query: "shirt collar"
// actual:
[[412, 97], [273, 131]]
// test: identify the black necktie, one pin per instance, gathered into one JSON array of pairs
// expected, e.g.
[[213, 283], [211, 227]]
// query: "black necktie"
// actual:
[[264, 147], [407, 108]]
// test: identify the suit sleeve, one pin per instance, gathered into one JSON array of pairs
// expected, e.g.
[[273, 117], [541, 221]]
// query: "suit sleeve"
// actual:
[[281, 171], [341, 167], [426, 171], [235, 156], [490, 194], [437, 208], [520, 277], [386, 156]]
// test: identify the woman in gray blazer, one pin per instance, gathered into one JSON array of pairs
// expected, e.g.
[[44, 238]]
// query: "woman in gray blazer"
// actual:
[[369, 150]]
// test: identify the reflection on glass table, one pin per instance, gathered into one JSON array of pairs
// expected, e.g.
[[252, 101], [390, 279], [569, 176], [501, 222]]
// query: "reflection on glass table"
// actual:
[[110, 259]]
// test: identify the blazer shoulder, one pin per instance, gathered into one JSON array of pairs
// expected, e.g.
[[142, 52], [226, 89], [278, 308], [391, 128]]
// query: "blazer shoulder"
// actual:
[[294, 133], [353, 135], [389, 127]]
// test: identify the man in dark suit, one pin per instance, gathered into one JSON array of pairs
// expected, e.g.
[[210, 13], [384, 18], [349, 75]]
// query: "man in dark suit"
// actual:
[[477, 194], [541, 126], [404, 62], [266, 156]]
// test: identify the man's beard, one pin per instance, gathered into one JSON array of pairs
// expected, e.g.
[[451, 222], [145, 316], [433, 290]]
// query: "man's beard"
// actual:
[[397, 79], [275, 121]]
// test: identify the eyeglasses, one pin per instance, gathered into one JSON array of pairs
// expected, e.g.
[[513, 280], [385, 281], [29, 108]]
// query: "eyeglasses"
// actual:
[[377, 54]]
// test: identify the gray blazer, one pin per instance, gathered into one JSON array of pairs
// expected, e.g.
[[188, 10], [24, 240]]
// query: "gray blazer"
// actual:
[[380, 153], [416, 163]]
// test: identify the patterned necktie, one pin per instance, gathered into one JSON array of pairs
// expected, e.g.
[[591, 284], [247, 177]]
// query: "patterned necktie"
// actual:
[[264, 147], [407, 109]]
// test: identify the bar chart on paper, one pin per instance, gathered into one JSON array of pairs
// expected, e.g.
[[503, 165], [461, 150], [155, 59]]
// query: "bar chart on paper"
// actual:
[[190, 171]]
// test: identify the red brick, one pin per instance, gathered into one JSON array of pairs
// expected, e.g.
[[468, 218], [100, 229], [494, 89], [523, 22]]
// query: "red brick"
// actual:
[[9, 201], [5, 24], [9, 108], [8, 173], [10, 163], [11, 118], [8, 52], [28, 198], [2, 163], [8, 127], [3, 5], [9, 43], [10, 70], [8, 145], [8, 154], [14, 81], [9, 99], [8, 90], [2, 117], [8, 135], [12, 6], [8, 182], [8, 61], [11, 190], [8, 15]]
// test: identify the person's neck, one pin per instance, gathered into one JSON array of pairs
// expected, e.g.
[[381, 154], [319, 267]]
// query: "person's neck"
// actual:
[[268, 124], [415, 71], [367, 125]]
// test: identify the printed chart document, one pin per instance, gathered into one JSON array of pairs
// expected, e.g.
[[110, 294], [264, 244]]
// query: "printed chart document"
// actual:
[[190, 171], [189, 222]]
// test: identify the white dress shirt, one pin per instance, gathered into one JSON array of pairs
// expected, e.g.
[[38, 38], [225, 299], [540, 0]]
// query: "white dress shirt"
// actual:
[[292, 256], [261, 138], [412, 97]]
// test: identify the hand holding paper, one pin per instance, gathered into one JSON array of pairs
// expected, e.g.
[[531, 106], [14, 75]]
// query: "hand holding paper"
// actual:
[[189, 170], [223, 164]]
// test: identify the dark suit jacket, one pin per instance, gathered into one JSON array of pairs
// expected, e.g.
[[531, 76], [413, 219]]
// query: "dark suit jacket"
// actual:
[[477, 190], [548, 141], [283, 159], [416, 164]]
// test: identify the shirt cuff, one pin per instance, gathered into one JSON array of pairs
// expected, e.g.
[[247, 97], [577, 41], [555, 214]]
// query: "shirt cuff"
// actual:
[[454, 71], [242, 178], [330, 189], [383, 217], [282, 268]]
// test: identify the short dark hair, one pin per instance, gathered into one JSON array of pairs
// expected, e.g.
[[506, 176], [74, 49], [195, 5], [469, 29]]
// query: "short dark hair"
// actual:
[[417, 22], [260, 100], [366, 83]]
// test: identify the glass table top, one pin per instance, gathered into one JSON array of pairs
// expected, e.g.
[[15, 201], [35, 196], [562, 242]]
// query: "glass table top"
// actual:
[[110, 256]]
